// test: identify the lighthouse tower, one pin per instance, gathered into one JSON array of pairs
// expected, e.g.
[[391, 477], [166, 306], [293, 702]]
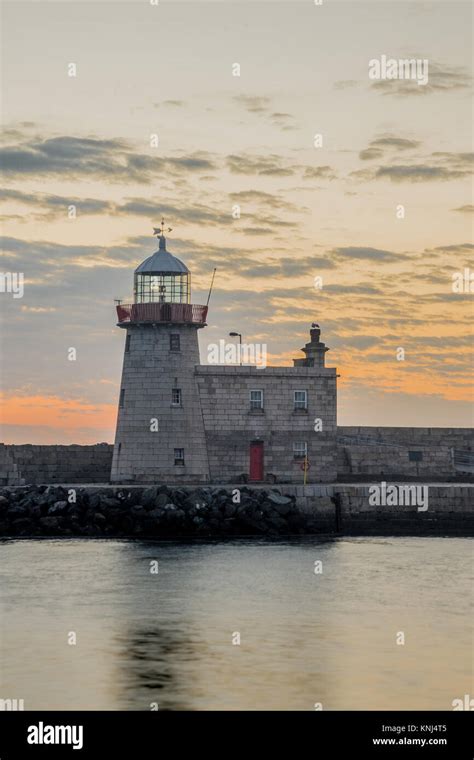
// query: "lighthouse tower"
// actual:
[[160, 431]]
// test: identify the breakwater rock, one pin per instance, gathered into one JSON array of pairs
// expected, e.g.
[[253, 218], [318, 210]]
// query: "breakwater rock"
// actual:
[[157, 511]]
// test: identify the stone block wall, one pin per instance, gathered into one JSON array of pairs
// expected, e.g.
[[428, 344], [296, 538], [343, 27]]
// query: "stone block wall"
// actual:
[[449, 512], [9, 473], [229, 453], [60, 464], [345, 509], [231, 425], [150, 427], [391, 458]]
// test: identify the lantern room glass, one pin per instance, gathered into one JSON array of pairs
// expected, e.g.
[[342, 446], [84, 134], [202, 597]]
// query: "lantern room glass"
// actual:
[[164, 287]]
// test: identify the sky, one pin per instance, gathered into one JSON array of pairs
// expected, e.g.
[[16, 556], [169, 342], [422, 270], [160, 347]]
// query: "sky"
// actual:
[[155, 122]]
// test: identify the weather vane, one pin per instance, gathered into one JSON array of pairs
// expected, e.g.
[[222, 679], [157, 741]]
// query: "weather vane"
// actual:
[[161, 232]]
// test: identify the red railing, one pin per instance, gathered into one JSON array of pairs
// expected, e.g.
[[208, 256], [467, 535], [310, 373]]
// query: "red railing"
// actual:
[[162, 312]]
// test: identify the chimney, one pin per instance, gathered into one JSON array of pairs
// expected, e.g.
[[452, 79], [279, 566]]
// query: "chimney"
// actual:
[[314, 351]]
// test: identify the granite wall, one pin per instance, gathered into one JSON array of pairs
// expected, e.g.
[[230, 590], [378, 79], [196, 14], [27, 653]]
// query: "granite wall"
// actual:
[[231, 425], [92, 464], [392, 452], [55, 464], [347, 509], [159, 416]]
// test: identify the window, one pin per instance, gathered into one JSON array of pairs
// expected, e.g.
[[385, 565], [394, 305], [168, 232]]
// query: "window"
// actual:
[[300, 450], [415, 456], [179, 457], [301, 400], [122, 397], [162, 288], [256, 400], [174, 342], [127, 342], [176, 397]]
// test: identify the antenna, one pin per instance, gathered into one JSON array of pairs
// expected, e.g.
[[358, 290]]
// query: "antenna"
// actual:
[[212, 283]]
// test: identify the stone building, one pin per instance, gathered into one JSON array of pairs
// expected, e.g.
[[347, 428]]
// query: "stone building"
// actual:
[[181, 421]]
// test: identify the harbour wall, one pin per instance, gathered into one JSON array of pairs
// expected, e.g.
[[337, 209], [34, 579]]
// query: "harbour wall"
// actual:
[[234, 511], [399, 452], [363, 453], [445, 509], [29, 463]]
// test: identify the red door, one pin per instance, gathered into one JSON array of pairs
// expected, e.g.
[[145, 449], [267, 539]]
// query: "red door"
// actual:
[[256, 460]]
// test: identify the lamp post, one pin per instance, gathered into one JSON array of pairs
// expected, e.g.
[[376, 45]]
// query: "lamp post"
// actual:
[[238, 335]]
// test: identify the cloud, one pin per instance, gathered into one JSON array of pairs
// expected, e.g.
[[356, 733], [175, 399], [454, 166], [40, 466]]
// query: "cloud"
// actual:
[[55, 206], [253, 103], [448, 296], [441, 79], [260, 198], [440, 166], [262, 105], [363, 175], [369, 154], [319, 172], [419, 173], [257, 231], [370, 254], [171, 103], [400, 143], [468, 209], [453, 248], [286, 267], [268, 165], [357, 341], [49, 207], [39, 309], [16, 130], [46, 417], [461, 160], [378, 147], [201, 214], [55, 265], [366, 290], [112, 160], [194, 213], [47, 255], [285, 121]]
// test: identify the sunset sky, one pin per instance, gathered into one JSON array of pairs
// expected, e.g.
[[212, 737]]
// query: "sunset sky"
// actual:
[[306, 211]]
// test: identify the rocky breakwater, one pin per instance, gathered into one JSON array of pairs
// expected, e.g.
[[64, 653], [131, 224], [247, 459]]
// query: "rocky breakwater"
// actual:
[[157, 511]]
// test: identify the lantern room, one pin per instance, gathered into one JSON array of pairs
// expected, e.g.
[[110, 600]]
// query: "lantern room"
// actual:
[[162, 278], [162, 292]]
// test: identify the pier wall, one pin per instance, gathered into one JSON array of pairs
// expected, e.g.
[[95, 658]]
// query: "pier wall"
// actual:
[[401, 452], [230, 511], [28, 463], [346, 508], [363, 453]]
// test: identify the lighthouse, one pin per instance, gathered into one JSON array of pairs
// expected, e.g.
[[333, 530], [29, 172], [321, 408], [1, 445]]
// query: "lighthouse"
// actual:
[[180, 421], [160, 433]]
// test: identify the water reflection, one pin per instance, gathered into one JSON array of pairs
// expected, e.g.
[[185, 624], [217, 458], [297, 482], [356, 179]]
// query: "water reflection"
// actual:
[[305, 638], [147, 668]]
